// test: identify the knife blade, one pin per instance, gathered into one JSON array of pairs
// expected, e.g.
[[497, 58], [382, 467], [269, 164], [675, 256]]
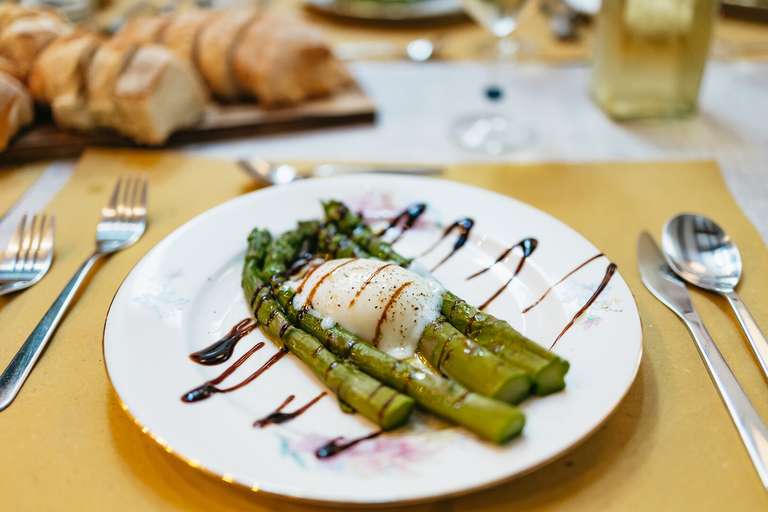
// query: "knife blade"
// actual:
[[36, 197], [664, 284], [282, 174], [334, 169]]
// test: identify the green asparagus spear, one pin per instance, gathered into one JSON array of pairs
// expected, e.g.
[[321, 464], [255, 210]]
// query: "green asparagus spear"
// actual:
[[354, 226], [333, 244], [380, 404], [489, 418], [471, 364], [546, 369], [441, 344]]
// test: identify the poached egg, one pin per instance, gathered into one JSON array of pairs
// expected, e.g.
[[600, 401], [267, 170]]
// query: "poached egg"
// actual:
[[380, 302]]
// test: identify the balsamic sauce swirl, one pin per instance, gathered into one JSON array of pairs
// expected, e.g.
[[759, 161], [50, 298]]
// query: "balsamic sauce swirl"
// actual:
[[221, 350], [464, 227], [528, 245], [281, 417], [608, 274], [209, 388], [405, 219], [335, 446], [569, 274]]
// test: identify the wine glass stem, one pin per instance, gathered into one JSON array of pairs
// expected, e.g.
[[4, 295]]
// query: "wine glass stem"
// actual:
[[494, 91]]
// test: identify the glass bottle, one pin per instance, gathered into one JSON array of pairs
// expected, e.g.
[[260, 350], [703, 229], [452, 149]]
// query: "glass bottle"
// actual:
[[650, 55]]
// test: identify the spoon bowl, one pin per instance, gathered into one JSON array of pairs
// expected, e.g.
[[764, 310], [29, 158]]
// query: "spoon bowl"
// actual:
[[699, 251], [702, 253]]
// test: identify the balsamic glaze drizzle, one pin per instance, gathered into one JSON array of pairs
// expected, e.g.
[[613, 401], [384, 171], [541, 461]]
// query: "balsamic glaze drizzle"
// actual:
[[569, 274], [320, 281], [383, 317], [405, 219], [367, 282], [528, 245], [281, 417], [209, 388], [221, 350], [335, 446], [464, 227], [608, 274]]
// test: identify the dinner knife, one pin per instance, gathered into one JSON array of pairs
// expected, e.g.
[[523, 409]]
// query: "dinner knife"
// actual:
[[36, 197], [282, 174], [663, 283]]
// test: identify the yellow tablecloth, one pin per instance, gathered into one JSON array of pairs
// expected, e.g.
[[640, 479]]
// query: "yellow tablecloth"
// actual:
[[67, 444]]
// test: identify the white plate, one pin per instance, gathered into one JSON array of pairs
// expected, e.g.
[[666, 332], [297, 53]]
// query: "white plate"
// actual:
[[389, 11], [185, 294], [591, 7]]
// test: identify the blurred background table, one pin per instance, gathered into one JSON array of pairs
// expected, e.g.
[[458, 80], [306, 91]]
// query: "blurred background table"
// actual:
[[459, 38], [417, 102]]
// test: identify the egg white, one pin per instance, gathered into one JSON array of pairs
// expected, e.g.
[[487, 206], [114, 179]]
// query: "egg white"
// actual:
[[382, 303]]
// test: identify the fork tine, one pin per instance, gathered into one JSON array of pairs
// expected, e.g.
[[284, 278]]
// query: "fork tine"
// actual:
[[45, 251], [25, 243], [140, 199], [36, 229], [135, 191], [123, 205], [11, 252], [126, 205], [144, 196], [109, 212]]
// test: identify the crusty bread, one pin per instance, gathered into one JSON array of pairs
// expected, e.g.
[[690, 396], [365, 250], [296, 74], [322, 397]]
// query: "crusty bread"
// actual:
[[60, 67], [10, 12], [182, 35], [8, 66], [24, 38], [217, 45], [106, 66], [16, 109], [284, 60], [142, 30], [145, 91], [58, 76], [156, 94]]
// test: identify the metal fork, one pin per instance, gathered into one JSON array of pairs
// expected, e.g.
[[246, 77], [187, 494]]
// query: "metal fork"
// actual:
[[123, 221], [28, 255]]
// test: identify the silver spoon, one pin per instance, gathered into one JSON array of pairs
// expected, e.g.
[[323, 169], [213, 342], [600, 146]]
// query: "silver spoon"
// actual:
[[700, 252]]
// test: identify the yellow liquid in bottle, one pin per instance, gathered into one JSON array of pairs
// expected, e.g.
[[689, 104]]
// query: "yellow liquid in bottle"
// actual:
[[650, 56]]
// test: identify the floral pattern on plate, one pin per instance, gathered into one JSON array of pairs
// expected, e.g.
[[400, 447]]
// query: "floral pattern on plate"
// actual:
[[162, 297]]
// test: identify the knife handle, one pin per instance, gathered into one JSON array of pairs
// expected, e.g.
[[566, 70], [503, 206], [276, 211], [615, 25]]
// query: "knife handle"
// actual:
[[753, 431]]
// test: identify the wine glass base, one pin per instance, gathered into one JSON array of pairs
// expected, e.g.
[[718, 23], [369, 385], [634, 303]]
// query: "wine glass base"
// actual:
[[492, 134]]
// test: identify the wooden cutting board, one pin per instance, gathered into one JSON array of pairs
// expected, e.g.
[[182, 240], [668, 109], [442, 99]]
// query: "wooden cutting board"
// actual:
[[45, 141]]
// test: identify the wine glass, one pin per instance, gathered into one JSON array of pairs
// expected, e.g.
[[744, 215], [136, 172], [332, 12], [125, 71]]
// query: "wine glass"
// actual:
[[494, 132]]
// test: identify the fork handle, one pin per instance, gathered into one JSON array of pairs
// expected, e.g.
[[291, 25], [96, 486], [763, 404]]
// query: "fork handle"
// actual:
[[22, 363]]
